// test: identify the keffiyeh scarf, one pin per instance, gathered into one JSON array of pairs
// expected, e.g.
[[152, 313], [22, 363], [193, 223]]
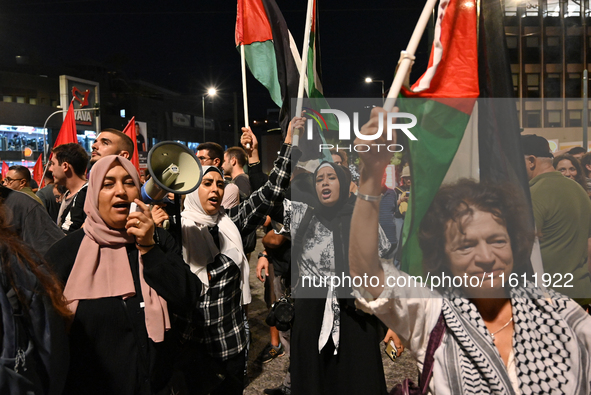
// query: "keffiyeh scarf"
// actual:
[[543, 344]]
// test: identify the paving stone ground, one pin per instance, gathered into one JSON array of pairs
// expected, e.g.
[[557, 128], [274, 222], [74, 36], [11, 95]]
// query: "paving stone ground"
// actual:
[[270, 375]]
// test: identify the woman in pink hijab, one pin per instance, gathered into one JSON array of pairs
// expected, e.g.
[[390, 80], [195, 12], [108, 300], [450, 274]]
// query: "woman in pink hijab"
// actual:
[[123, 278]]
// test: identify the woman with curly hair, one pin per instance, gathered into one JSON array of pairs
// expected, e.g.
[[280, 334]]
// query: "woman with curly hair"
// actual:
[[570, 167], [483, 333]]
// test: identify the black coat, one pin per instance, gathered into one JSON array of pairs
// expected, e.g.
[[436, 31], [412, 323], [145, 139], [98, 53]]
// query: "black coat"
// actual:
[[109, 346]]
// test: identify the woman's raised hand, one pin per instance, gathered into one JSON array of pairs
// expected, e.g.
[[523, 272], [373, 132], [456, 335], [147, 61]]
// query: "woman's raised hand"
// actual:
[[141, 225], [375, 160], [296, 123], [248, 140]]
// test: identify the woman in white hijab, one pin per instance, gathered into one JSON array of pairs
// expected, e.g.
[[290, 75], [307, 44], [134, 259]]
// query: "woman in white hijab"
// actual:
[[212, 246]]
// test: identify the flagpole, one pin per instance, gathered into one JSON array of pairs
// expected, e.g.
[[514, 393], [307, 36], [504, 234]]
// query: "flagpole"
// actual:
[[304, 68], [409, 55], [244, 95]]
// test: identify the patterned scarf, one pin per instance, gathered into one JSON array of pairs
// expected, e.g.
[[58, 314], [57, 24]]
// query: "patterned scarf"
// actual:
[[540, 342]]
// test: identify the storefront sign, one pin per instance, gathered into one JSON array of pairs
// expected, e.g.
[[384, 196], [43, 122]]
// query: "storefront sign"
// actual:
[[85, 96]]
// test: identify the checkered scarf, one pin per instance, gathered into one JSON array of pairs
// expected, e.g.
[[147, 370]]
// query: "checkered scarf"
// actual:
[[543, 343]]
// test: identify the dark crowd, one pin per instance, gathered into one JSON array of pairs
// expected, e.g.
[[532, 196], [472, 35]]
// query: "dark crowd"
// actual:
[[108, 291]]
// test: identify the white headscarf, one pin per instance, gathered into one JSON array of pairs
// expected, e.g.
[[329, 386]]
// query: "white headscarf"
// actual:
[[199, 249]]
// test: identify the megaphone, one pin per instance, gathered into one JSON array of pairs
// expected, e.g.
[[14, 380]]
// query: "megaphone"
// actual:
[[173, 168]]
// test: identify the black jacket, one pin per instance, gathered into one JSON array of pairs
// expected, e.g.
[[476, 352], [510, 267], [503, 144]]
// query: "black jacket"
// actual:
[[110, 352]]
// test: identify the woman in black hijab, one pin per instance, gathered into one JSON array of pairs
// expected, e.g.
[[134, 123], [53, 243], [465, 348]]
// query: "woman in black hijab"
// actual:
[[334, 348]]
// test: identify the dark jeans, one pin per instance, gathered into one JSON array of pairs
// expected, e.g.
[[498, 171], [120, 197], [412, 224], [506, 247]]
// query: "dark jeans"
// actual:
[[234, 381]]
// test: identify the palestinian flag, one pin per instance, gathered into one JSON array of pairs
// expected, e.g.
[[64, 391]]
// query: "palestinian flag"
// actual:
[[4, 169], [314, 84], [457, 136], [269, 51]]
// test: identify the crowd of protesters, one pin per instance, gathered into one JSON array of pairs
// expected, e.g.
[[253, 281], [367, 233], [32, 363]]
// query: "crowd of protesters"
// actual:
[[99, 298]]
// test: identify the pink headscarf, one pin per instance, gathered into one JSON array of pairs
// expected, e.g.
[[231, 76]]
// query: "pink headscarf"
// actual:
[[101, 269]]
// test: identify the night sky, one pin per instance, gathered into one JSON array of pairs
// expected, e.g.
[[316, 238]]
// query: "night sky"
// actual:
[[187, 46]]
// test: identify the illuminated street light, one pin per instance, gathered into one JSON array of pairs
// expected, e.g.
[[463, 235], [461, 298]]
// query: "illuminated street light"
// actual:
[[369, 80], [210, 92]]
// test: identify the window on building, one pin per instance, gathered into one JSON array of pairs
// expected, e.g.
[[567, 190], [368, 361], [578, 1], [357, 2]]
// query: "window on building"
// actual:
[[552, 88], [533, 119], [573, 8], [553, 41], [574, 118], [515, 78], [574, 84], [533, 85], [532, 42], [7, 99], [554, 118], [20, 99], [510, 10], [33, 100], [573, 51], [512, 42], [553, 8]]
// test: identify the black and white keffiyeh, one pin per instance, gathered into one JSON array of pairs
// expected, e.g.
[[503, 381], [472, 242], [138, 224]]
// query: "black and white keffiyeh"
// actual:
[[543, 345]]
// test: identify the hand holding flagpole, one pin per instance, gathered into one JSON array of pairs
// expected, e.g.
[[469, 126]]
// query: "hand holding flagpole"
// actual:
[[407, 57]]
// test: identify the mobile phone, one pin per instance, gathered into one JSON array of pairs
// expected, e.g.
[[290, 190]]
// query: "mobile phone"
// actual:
[[407, 193], [391, 350]]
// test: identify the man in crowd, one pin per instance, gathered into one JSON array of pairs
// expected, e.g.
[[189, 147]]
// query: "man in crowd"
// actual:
[[562, 213], [68, 166], [111, 142], [48, 197], [212, 154], [29, 220], [339, 157], [388, 208], [233, 166], [586, 163], [577, 152], [18, 178]]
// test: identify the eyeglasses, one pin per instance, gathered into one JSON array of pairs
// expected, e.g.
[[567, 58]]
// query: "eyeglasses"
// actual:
[[8, 180], [203, 158]]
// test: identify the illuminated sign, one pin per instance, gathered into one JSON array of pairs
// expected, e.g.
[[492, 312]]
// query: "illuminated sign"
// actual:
[[84, 95]]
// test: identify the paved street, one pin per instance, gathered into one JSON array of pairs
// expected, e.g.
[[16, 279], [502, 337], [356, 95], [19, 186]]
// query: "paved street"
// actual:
[[270, 375]]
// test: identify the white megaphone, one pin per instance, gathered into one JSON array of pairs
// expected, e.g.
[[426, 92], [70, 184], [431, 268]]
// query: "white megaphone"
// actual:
[[173, 168]]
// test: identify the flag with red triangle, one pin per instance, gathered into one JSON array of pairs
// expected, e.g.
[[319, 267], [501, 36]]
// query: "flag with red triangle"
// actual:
[[67, 133], [442, 100], [456, 116], [131, 132]]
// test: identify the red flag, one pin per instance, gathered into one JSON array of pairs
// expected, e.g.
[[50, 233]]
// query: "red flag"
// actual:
[[130, 131], [67, 132], [38, 171], [4, 169]]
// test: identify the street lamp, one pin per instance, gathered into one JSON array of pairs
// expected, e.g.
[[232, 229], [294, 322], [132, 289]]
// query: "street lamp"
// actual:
[[369, 80], [210, 92]]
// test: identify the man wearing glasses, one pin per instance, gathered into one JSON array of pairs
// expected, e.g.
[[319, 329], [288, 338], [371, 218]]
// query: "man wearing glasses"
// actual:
[[18, 178]]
